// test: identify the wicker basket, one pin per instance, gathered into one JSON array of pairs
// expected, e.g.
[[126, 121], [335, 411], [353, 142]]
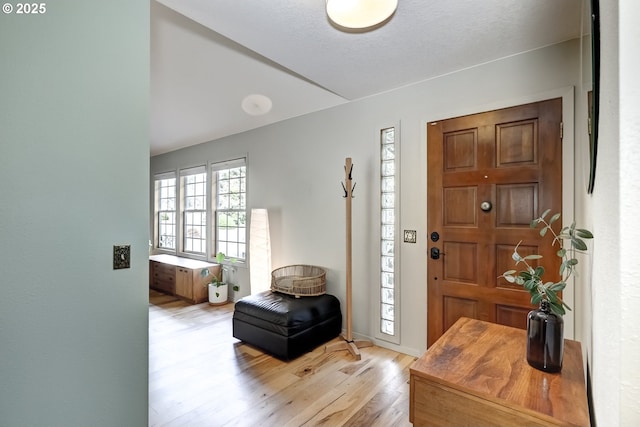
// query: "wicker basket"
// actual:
[[299, 280]]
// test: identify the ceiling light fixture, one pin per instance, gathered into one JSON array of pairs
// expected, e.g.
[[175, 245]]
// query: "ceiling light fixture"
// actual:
[[360, 14], [256, 104]]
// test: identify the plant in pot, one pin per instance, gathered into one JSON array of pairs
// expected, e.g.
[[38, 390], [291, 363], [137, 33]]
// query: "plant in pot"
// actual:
[[218, 288], [545, 326]]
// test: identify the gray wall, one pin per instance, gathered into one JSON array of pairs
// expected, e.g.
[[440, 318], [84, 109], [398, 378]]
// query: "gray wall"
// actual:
[[295, 168], [74, 156]]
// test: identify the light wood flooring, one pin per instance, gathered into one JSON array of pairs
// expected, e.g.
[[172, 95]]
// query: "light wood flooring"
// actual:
[[199, 375]]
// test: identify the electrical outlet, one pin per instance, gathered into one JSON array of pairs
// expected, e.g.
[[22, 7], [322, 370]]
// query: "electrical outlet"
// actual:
[[121, 256], [410, 236]]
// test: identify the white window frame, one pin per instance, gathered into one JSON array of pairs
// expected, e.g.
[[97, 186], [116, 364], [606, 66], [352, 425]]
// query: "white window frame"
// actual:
[[187, 239], [158, 178], [210, 246], [220, 240]]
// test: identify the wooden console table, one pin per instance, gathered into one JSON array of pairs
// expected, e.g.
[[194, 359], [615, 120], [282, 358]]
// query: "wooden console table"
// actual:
[[181, 277], [477, 374]]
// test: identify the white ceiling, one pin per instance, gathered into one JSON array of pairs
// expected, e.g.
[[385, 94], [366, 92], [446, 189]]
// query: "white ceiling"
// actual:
[[207, 55]]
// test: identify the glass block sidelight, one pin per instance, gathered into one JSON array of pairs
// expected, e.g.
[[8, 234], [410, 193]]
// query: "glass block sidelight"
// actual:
[[387, 312], [388, 184], [388, 216], [387, 327], [388, 200], [387, 279], [387, 247], [387, 231]]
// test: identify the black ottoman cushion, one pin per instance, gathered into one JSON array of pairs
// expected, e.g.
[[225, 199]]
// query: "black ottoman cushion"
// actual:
[[284, 325]]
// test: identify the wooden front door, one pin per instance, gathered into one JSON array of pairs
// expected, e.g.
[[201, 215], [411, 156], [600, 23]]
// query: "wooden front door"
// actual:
[[489, 174]]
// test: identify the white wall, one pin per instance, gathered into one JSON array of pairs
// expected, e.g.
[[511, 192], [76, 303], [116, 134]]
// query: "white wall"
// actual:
[[616, 272], [629, 154], [74, 181], [295, 169]]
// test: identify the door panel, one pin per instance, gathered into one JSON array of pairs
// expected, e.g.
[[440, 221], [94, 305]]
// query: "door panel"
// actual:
[[489, 175], [458, 206], [514, 316], [455, 307]]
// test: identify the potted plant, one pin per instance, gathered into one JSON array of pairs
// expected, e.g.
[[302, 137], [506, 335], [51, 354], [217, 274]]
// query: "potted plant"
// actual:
[[545, 340], [218, 288]]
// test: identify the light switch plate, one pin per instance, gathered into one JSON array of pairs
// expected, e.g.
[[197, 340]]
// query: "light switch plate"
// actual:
[[121, 256], [410, 236]]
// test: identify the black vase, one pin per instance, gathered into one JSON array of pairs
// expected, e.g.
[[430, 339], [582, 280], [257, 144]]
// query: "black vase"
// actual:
[[545, 339]]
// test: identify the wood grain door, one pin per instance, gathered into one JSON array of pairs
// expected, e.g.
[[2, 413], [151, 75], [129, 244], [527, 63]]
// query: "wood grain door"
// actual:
[[489, 175]]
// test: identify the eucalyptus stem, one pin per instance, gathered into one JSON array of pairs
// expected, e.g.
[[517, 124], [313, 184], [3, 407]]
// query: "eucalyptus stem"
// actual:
[[531, 278]]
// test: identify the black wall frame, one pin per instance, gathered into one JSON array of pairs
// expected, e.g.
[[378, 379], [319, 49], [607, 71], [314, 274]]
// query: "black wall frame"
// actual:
[[594, 105]]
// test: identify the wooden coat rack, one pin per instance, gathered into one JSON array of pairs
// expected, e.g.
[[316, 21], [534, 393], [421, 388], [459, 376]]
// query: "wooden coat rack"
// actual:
[[348, 342]]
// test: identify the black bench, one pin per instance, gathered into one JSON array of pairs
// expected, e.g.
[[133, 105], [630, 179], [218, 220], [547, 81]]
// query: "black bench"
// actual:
[[286, 326]]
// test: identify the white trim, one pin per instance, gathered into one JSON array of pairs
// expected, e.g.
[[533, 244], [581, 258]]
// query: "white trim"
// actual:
[[164, 175], [156, 210], [181, 194], [214, 168], [193, 171], [228, 164], [389, 345]]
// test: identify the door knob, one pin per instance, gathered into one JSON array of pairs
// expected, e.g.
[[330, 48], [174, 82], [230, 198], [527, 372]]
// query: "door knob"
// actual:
[[435, 253], [486, 206]]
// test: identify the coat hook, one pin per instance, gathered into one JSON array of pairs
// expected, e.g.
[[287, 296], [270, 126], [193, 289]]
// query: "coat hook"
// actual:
[[350, 170], [345, 189], [353, 189]]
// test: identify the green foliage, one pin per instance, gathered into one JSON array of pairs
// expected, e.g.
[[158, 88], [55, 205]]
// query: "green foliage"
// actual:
[[531, 278], [218, 281]]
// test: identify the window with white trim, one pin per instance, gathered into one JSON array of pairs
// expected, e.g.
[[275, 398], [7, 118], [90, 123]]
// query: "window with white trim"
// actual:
[[204, 212], [388, 234], [229, 185], [193, 183], [165, 211]]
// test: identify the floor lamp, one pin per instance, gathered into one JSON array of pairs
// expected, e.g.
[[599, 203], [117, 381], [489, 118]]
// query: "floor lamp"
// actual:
[[259, 251], [348, 342]]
